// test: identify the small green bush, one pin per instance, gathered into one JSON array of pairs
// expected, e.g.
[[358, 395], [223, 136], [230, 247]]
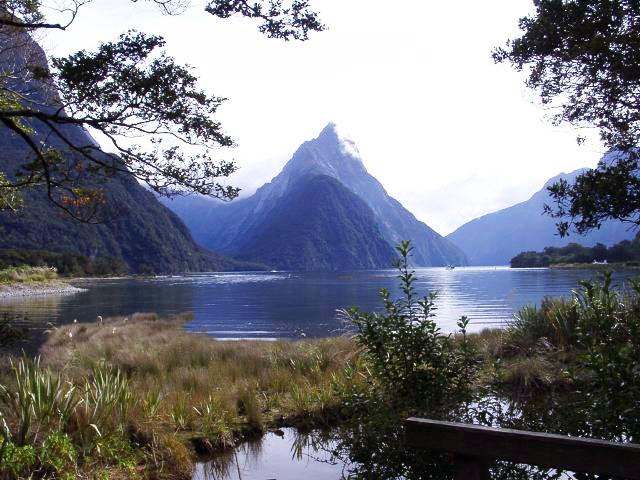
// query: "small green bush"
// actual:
[[413, 360], [58, 456], [17, 462], [597, 335]]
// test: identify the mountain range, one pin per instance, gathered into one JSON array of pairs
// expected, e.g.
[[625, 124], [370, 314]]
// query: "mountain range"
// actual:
[[323, 211], [495, 238]]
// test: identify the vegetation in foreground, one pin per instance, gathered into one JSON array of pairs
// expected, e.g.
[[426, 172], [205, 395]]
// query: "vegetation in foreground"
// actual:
[[567, 366], [140, 397]]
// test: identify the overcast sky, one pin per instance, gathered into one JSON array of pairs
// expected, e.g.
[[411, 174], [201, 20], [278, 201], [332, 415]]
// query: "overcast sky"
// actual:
[[449, 134]]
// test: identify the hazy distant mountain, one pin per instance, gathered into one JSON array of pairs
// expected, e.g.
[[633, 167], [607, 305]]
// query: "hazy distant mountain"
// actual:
[[238, 228], [495, 238], [144, 234]]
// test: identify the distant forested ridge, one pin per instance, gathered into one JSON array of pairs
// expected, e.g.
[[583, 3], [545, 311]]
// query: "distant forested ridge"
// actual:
[[627, 251], [140, 233], [323, 211]]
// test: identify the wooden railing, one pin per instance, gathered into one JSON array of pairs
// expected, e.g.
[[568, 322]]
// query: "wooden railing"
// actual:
[[474, 447]]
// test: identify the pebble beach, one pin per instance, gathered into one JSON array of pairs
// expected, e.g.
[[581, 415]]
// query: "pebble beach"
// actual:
[[38, 289]]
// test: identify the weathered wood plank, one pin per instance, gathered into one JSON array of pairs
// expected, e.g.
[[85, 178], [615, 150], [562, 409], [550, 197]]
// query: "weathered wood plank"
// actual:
[[545, 450], [470, 468]]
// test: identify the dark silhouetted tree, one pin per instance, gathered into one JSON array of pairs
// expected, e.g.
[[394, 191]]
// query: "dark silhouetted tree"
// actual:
[[125, 89], [583, 58]]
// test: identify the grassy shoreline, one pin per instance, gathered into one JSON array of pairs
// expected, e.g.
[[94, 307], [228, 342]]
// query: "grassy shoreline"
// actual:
[[27, 275], [25, 281], [188, 394]]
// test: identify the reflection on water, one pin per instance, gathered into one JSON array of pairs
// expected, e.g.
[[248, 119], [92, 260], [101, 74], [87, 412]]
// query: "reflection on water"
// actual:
[[293, 305], [39, 305], [372, 446], [292, 456], [29, 315]]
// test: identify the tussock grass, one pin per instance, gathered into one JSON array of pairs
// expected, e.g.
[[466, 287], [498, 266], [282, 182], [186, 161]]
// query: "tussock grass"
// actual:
[[256, 380], [27, 274]]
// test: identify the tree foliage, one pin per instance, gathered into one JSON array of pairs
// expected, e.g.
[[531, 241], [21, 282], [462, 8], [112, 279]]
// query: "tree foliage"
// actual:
[[625, 251], [583, 58], [125, 89]]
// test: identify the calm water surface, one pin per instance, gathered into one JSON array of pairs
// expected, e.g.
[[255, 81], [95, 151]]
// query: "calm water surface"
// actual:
[[294, 305], [292, 456]]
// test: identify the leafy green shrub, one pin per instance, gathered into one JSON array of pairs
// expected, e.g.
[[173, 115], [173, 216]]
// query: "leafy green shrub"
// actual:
[[597, 335], [412, 359], [58, 456], [608, 336], [117, 450], [17, 461]]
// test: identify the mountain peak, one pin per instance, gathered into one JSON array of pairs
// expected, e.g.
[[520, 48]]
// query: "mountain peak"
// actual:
[[324, 196], [330, 153], [330, 129], [332, 135]]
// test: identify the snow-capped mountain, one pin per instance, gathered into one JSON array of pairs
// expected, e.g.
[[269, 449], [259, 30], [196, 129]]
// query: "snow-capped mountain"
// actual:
[[239, 226]]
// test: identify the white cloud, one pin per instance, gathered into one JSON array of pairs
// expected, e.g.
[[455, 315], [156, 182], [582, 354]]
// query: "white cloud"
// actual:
[[449, 134]]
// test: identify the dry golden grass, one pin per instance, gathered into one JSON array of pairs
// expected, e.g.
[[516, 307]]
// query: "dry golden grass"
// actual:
[[191, 383]]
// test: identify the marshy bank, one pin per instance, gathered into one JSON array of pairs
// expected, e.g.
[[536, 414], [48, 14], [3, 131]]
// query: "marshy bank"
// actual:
[[142, 395], [139, 397]]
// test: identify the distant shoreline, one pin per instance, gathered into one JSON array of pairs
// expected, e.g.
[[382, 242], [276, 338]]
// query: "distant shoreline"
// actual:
[[38, 289], [594, 266]]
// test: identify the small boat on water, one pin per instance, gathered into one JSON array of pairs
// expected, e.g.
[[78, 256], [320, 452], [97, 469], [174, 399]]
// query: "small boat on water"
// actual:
[[450, 267]]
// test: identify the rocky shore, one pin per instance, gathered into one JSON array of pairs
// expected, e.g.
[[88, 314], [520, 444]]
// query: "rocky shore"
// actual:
[[38, 289]]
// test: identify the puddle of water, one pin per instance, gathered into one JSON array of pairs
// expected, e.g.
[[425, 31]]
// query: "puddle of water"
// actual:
[[293, 456]]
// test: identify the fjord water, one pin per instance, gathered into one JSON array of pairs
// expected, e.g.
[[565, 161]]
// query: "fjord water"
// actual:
[[272, 305]]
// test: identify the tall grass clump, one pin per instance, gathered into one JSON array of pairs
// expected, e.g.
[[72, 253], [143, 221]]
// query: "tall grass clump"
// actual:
[[102, 413], [52, 426], [27, 274], [38, 406], [40, 400]]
